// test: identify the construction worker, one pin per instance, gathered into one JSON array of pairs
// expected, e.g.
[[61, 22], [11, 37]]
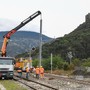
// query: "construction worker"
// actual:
[[19, 70], [37, 72], [34, 72], [41, 72], [27, 72]]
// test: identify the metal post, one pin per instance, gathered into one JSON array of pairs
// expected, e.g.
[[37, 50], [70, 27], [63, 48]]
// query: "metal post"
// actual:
[[70, 56], [40, 48], [51, 62], [30, 57]]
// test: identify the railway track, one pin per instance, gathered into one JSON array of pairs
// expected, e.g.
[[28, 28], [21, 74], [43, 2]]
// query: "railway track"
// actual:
[[68, 79], [56, 82], [34, 85]]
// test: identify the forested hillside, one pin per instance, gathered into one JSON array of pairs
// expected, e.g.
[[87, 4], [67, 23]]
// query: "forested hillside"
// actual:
[[23, 41], [77, 43]]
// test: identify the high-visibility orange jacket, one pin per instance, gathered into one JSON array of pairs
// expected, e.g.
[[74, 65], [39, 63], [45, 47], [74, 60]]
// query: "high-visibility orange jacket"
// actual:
[[19, 70], [27, 69], [37, 71], [17, 64], [41, 70]]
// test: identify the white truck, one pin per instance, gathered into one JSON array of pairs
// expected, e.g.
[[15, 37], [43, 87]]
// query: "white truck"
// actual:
[[6, 67]]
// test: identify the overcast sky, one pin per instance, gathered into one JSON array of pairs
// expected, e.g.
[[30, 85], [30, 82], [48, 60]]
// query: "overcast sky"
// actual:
[[59, 17]]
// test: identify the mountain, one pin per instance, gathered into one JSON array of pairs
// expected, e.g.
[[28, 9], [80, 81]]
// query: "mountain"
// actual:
[[76, 44], [23, 41]]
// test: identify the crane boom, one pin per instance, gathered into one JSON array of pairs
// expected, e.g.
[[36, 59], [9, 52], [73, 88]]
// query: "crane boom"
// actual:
[[10, 33]]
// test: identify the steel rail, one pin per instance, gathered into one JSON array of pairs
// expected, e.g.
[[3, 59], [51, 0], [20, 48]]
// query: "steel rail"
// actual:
[[51, 87]]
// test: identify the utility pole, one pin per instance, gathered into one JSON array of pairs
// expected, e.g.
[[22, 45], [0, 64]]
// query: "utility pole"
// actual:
[[70, 56], [40, 48], [30, 57], [51, 63]]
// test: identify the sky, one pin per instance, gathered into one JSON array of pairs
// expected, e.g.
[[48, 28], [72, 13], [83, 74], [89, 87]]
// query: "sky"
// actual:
[[59, 17]]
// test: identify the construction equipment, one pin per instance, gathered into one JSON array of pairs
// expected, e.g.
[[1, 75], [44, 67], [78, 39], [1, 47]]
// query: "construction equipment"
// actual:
[[7, 63], [10, 33]]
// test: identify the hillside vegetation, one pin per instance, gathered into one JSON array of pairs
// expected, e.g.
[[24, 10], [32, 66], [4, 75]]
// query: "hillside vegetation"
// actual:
[[22, 41], [77, 42]]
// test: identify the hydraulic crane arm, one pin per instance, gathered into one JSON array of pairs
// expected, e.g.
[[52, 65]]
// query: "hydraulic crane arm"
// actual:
[[10, 33]]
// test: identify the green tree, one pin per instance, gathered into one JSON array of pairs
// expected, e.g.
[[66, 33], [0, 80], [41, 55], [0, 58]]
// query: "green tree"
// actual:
[[46, 64], [35, 62], [76, 62], [57, 63], [86, 62]]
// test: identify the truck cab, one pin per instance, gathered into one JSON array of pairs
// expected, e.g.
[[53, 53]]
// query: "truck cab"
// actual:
[[6, 67]]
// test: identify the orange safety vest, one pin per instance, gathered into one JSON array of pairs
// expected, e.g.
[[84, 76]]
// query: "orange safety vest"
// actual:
[[17, 64], [19, 70], [37, 71], [27, 70], [41, 70]]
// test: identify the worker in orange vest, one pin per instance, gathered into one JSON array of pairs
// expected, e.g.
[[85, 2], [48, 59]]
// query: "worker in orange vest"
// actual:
[[41, 72], [27, 72], [37, 72], [20, 71]]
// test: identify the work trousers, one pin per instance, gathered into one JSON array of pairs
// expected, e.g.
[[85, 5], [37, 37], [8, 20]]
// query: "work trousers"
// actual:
[[37, 76], [27, 75], [20, 74]]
